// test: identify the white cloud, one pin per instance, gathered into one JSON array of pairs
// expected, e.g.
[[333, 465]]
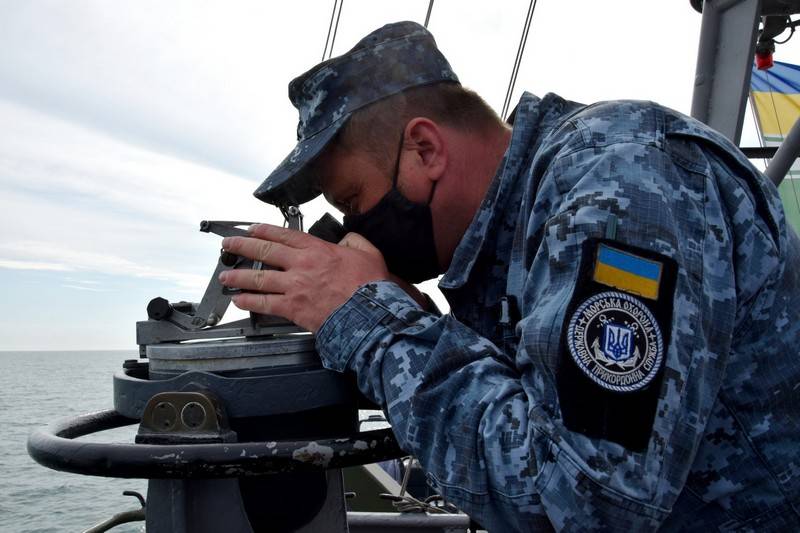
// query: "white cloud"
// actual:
[[67, 258], [82, 281], [50, 157], [33, 265], [84, 288], [168, 81], [75, 199]]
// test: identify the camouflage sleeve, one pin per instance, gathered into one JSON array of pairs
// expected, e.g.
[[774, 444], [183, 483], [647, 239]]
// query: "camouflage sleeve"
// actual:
[[451, 396], [619, 456], [487, 426]]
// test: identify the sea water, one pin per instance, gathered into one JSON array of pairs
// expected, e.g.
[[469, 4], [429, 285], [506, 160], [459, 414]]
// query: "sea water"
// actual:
[[37, 388]]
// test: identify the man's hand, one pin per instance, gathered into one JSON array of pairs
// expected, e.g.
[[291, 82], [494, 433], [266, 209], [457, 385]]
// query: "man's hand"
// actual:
[[314, 276]]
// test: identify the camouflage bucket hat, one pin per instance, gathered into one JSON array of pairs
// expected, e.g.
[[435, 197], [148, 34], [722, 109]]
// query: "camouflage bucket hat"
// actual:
[[385, 62]]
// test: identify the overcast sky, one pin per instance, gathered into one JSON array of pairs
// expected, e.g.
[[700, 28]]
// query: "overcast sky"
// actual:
[[124, 124]]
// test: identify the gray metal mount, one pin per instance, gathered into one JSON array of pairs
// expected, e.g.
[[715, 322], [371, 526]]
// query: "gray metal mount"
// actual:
[[187, 321]]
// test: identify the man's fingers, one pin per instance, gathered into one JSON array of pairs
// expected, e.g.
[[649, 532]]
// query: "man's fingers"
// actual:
[[270, 281], [284, 236], [268, 252], [265, 304]]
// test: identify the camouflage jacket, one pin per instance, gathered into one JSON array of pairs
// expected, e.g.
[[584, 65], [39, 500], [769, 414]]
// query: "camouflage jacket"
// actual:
[[643, 368]]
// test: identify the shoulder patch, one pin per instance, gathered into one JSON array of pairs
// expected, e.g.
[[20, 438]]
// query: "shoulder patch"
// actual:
[[614, 342]]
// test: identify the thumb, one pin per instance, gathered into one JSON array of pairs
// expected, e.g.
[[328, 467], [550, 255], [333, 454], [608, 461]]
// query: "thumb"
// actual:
[[359, 242]]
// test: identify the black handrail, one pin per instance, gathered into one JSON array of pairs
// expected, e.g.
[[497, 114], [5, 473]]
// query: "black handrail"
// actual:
[[54, 447]]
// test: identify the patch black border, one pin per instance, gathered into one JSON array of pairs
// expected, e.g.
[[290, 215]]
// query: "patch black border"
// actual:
[[586, 407]]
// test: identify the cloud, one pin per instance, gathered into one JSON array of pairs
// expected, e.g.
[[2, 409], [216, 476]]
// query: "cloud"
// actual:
[[13, 264], [162, 82], [84, 288], [82, 281], [52, 256], [75, 199], [49, 157]]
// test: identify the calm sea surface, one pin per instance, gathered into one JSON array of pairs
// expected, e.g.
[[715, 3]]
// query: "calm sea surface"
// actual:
[[37, 388]]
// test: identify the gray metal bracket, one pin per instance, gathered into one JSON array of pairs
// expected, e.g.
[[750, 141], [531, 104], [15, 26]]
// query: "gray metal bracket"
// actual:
[[186, 321], [722, 77], [785, 157]]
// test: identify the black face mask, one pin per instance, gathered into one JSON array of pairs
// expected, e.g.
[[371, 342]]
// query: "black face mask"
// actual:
[[402, 230]]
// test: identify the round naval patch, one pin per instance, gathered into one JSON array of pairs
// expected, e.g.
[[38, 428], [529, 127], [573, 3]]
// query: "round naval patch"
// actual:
[[615, 340]]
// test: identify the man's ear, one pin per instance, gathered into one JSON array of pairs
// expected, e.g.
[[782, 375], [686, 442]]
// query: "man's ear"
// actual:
[[425, 139]]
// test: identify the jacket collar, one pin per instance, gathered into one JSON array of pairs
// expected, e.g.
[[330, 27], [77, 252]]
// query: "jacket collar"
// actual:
[[533, 119]]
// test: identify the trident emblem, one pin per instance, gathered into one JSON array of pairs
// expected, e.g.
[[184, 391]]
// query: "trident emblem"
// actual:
[[617, 345]]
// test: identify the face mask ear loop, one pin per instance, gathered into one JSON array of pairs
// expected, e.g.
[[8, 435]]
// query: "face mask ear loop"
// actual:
[[397, 161], [433, 188]]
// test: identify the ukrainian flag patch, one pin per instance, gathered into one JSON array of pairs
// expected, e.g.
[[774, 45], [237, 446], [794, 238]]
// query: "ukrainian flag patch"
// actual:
[[627, 272]]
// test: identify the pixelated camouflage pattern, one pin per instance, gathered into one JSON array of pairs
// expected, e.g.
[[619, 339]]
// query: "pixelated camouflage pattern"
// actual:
[[481, 411], [385, 62]]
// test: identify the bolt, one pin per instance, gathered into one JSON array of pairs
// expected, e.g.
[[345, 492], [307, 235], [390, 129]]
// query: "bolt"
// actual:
[[193, 415], [164, 416]]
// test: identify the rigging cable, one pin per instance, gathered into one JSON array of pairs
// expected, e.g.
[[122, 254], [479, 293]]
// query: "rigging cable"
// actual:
[[428, 14], [783, 138], [329, 51], [518, 60], [330, 27], [336, 28], [760, 136]]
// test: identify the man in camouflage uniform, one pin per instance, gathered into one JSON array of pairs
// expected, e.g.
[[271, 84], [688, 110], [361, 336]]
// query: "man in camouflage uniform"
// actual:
[[622, 347]]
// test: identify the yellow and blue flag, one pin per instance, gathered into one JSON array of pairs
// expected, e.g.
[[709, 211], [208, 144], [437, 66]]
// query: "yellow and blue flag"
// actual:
[[627, 272], [775, 98]]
